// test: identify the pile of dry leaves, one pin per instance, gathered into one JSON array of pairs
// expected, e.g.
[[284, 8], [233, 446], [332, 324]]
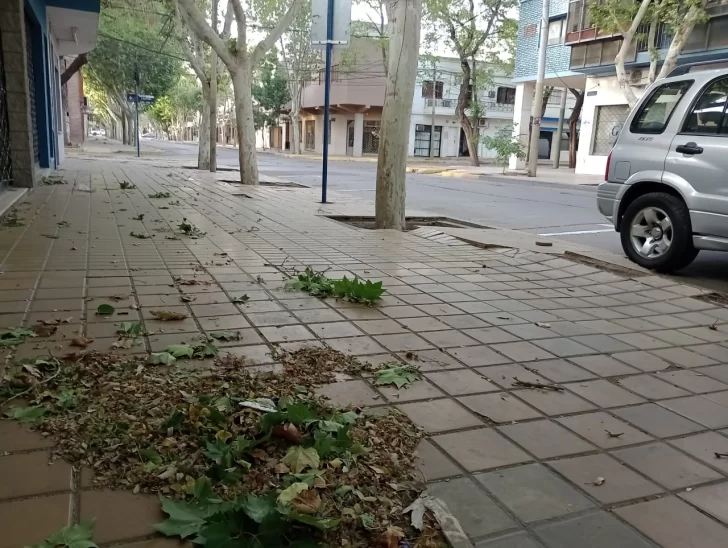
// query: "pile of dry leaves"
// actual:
[[246, 454]]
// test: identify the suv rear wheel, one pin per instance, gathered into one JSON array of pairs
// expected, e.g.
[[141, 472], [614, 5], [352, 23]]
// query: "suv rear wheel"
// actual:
[[656, 232]]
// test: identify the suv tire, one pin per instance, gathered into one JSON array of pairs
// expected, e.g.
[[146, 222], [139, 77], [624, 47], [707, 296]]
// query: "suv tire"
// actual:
[[673, 231]]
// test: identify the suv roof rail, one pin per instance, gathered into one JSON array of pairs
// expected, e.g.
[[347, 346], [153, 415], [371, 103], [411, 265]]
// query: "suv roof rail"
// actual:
[[698, 66]]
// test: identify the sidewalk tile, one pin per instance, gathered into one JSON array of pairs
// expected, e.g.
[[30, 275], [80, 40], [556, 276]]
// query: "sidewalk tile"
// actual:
[[334, 330], [604, 366], [477, 513], [620, 483], [657, 421], [693, 381], [460, 382], [16, 437], [700, 409], [651, 387], [521, 351], [545, 439], [552, 402], [712, 499], [704, 447], [683, 357], [27, 474], [666, 465], [514, 540], [564, 347], [674, 524], [596, 427], [603, 393], [120, 515], [492, 335], [532, 492], [599, 530], [357, 393], [439, 415], [499, 407], [431, 360], [49, 514], [418, 390], [403, 342], [448, 338], [433, 464], [477, 355], [560, 371], [481, 449]]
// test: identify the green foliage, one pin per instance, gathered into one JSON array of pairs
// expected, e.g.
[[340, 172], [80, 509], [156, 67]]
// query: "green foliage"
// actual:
[[130, 329], [225, 335], [180, 350], [505, 145], [188, 229], [299, 459], [26, 414], [71, 536], [241, 299], [250, 521], [399, 376], [14, 336], [270, 92], [105, 310], [161, 358], [317, 284]]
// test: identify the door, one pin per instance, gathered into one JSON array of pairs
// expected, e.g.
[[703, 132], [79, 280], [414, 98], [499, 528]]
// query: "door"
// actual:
[[350, 137], [422, 140], [699, 153]]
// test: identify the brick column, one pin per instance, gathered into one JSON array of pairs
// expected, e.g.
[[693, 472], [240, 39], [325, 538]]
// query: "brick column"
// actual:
[[12, 25]]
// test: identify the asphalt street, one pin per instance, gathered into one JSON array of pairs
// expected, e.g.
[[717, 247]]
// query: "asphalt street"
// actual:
[[563, 211]]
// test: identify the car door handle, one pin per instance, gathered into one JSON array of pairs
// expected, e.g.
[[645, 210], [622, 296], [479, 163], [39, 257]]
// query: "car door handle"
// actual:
[[689, 148]]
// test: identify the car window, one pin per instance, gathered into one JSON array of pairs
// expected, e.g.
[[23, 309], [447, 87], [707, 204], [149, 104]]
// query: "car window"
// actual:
[[708, 114], [654, 114]]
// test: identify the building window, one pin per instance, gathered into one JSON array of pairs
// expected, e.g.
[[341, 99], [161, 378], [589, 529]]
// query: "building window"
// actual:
[[506, 96], [718, 37], [656, 111], [310, 142], [610, 119], [370, 140], [427, 89], [708, 115], [422, 140], [557, 31], [593, 54]]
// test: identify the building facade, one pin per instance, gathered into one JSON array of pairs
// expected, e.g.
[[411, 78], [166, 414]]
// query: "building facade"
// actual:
[[558, 76], [35, 35], [592, 54]]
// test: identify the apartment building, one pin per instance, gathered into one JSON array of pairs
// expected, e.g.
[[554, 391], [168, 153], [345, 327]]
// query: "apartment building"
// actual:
[[592, 53], [34, 37], [559, 74]]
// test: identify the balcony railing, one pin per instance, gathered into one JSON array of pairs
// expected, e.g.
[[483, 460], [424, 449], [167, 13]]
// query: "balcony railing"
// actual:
[[445, 103]]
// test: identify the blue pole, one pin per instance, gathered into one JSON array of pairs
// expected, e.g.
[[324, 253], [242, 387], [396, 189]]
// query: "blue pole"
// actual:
[[136, 102], [327, 93]]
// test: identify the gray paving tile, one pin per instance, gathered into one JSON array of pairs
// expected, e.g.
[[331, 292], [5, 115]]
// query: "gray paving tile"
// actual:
[[604, 430], [545, 439], [602, 343], [477, 513], [657, 421], [564, 347], [460, 382], [651, 387], [552, 402], [602, 365], [598, 530], [514, 540], [672, 523], [704, 447], [683, 357], [666, 466], [499, 407], [522, 351], [356, 392], [492, 335], [603, 393], [478, 355], [700, 409], [439, 415], [433, 464], [620, 483], [642, 360], [481, 449], [560, 371], [712, 499], [692, 380], [532, 492]]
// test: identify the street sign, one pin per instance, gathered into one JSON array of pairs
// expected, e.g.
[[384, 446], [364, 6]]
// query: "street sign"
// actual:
[[134, 98], [342, 23]]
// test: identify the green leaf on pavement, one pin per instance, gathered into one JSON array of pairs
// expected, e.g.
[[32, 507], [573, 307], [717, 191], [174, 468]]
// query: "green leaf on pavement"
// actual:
[[367, 520], [258, 508], [27, 414], [180, 350], [298, 459], [291, 492], [130, 329], [161, 358], [300, 413], [241, 299], [225, 335], [71, 536], [206, 350], [185, 518], [324, 524], [105, 310], [400, 376]]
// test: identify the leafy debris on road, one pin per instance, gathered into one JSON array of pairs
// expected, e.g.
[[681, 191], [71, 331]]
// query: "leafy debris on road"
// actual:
[[105, 310], [139, 235], [399, 375], [537, 385], [71, 536], [167, 316], [294, 467], [318, 285], [188, 229], [126, 185], [15, 335], [160, 195], [241, 299], [139, 217]]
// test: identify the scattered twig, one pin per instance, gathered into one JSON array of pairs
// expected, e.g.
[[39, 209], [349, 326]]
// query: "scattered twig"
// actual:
[[721, 455], [538, 385], [614, 434]]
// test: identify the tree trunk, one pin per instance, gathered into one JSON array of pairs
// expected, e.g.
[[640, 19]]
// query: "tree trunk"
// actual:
[[547, 93], [73, 68], [652, 49], [573, 120], [682, 32], [123, 128], [621, 57], [203, 143], [404, 20], [244, 123], [460, 112], [295, 117]]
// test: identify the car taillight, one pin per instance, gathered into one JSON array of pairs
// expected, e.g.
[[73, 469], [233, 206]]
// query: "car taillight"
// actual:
[[606, 169]]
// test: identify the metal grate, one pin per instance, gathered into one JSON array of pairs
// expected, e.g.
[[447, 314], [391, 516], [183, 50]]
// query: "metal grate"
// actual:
[[370, 142], [31, 85], [610, 120], [6, 173]]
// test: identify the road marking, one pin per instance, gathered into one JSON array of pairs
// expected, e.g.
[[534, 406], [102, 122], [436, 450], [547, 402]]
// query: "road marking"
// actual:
[[578, 232]]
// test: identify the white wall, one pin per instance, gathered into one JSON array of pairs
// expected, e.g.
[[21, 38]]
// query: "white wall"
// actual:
[[599, 92]]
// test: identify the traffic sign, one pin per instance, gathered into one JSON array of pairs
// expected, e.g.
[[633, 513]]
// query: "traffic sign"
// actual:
[[134, 98], [342, 23]]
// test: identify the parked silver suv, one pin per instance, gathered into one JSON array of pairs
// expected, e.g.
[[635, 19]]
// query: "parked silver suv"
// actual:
[[666, 182]]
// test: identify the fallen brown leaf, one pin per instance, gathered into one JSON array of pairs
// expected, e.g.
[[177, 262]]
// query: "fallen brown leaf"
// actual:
[[390, 538], [166, 316], [81, 341], [43, 330], [307, 502], [288, 432]]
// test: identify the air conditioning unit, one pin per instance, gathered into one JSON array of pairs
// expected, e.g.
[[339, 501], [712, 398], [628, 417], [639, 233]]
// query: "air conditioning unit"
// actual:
[[635, 77], [482, 122], [491, 94], [419, 127]]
